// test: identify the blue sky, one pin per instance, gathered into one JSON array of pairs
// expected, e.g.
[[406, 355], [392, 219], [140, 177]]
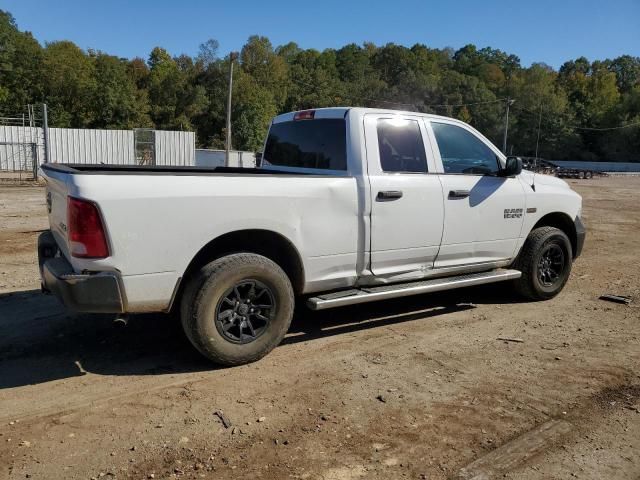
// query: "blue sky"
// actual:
[[540, 31]]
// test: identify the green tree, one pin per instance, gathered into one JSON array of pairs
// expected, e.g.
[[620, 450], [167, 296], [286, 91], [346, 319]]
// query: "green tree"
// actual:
[[254, 106], [115, 100], [627, 71], [269, 70], [208, 52], [69, 84], [21, 67], [537, 94], [173, 95]]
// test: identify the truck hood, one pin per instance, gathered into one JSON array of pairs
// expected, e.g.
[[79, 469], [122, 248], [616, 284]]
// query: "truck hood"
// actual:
[[540, 179]]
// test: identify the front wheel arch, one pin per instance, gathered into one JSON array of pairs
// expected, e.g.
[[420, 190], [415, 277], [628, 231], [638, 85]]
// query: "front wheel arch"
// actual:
[[562, 222]]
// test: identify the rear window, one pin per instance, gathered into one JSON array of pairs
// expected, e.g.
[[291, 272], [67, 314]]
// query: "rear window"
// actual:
[[400, 146], [317, 143]]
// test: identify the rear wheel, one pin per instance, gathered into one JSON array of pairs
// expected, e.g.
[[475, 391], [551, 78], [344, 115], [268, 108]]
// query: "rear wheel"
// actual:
[[237, 308], [545, 263]]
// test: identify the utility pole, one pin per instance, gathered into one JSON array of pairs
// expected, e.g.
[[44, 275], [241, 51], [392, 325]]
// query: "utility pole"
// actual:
[[506, 126], [232, 57]]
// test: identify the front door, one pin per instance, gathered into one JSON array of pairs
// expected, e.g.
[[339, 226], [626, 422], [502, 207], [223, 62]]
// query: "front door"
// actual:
[[407, 209], [483, 211]]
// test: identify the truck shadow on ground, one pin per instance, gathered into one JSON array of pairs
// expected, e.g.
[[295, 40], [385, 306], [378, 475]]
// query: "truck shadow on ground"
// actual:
[[41, 342]]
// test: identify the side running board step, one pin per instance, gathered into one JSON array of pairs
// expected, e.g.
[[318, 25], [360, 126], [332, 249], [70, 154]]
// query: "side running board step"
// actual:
[[384, 292]]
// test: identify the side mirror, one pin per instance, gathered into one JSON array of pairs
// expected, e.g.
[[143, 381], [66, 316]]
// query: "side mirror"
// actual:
[[512, 168], [258, 156]]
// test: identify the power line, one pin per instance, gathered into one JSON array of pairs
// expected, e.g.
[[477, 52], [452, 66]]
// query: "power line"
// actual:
[[604, 129], [441, 105], [578, 127], [414, 105], [497, 100], [388, 102], [468, 104]]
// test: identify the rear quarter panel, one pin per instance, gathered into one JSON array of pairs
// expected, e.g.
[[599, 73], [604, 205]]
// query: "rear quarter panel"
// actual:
[[156, 224]]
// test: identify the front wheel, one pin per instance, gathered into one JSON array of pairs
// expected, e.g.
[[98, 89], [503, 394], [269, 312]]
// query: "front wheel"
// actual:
[[237, 308], [545, 262]]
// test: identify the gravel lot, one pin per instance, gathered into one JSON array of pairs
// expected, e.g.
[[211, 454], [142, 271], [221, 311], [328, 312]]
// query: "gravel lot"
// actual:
[[412, 388]]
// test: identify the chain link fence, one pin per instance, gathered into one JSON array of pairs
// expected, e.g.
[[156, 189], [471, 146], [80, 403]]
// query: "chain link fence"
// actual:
[[21, 145]]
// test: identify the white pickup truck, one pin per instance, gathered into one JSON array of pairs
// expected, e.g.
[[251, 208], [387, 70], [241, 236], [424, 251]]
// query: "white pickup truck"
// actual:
[[348, 205]]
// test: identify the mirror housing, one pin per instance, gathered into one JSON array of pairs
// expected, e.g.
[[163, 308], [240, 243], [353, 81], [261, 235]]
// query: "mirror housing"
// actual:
[[512, 168], [258, 157]]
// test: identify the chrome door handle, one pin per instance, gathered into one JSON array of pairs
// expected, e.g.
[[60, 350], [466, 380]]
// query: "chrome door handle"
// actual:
[[457, 194], [388, 195]]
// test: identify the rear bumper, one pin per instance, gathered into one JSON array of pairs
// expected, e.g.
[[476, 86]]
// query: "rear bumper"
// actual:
[[581, 234], [90, 293]]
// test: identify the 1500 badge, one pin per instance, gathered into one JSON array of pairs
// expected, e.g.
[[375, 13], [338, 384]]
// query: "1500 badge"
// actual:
[[512, 213]]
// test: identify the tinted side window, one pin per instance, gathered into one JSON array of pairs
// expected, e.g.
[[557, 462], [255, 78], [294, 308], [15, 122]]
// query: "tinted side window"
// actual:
[[463, 152], [400, 146], [308, 143]]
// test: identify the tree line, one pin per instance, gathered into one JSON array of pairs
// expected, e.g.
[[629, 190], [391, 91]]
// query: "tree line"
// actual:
[[568, 113]]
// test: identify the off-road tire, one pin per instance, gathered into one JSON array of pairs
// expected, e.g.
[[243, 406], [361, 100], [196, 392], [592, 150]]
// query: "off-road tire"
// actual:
[[206, 289], [529, 284]]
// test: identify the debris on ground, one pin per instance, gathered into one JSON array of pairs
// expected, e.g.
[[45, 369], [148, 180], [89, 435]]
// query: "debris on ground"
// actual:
[[381, 398], [616, 298], [509, 339], [223, 418]]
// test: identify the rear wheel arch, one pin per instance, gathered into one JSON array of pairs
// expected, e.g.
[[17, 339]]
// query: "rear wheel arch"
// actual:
[[267, 243]]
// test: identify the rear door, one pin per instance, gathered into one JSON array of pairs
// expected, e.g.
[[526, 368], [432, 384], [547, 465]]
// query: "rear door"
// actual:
[[483, 211], [407, 205]]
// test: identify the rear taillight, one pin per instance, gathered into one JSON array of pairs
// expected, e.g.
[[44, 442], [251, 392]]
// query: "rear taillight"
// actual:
[[87, 238], [304, 115]]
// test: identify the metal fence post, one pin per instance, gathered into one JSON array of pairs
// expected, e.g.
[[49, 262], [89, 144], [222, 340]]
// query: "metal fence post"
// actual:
[[45, 130], [34, 160]]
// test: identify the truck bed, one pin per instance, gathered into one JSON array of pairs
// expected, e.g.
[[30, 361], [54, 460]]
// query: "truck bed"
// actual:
[[92, 169], [157, 219]]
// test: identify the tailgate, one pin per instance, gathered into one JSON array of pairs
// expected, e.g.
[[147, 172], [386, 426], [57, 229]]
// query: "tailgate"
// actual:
[[56, 195]]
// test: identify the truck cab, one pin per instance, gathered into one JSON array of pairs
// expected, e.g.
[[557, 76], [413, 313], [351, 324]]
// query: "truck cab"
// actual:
[[435, 193]]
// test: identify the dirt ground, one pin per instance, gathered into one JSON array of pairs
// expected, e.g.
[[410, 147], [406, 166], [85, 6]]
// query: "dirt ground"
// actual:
[[416, 388]]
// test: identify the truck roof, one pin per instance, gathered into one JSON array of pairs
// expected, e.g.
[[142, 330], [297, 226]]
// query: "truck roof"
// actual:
[[340, 112]]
